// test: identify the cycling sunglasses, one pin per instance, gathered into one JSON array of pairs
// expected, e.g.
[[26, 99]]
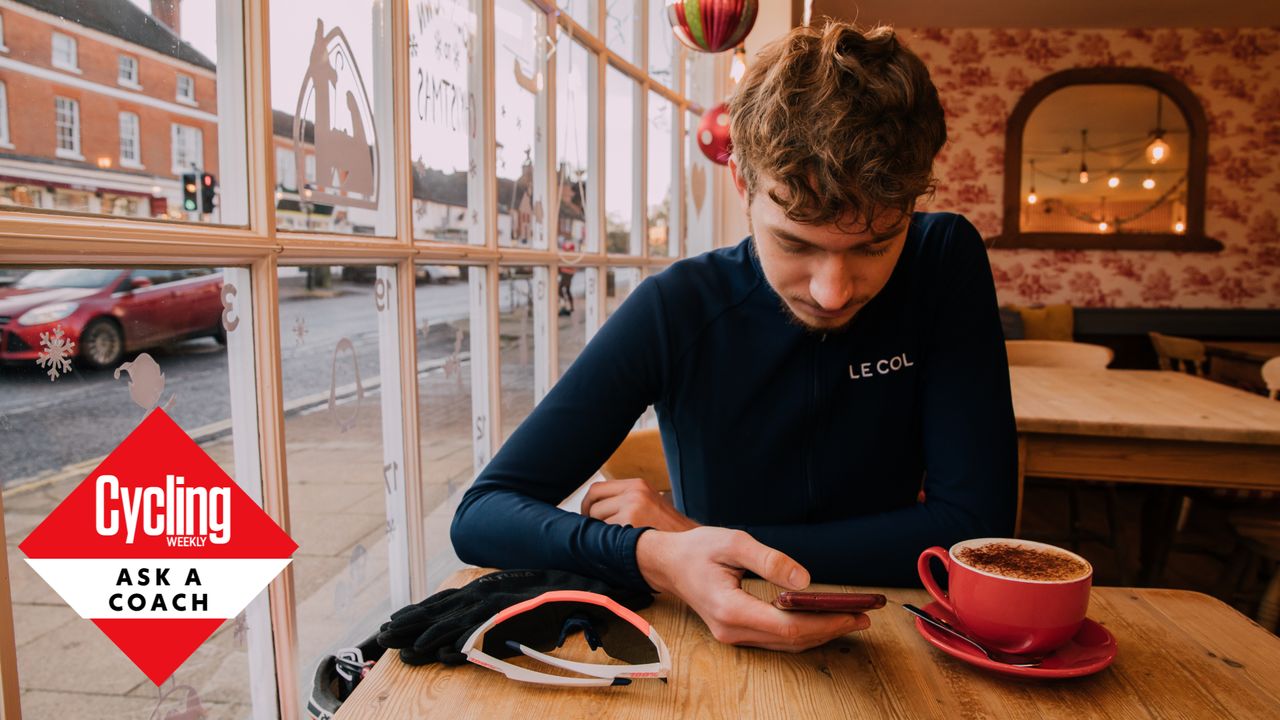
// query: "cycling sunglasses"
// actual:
[[542, 623]]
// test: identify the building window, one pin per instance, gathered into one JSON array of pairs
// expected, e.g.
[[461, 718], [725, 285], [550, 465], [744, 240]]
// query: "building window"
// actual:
[[67, 126], [128, 70], [64, 52], [4, 116], [310, 169], [286, 170], [130, 141], [188, 149], [186, 88]]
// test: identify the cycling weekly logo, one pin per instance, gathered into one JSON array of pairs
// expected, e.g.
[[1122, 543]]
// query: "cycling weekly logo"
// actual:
[[341, 126]]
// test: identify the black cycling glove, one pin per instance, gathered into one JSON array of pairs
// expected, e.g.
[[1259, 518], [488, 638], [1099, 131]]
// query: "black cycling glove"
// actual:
[[431, 630]]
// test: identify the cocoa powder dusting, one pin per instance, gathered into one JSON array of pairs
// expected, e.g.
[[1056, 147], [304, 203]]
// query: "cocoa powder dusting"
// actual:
[[1023, 563]]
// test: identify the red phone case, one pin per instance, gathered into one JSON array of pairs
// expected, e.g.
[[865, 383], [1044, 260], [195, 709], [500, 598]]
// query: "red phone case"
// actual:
[[829, 602]]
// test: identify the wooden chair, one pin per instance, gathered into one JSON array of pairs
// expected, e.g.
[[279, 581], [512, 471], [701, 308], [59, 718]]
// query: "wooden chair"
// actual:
[[640, 455], [1057, 353], [1271, 376], [1179, 353]]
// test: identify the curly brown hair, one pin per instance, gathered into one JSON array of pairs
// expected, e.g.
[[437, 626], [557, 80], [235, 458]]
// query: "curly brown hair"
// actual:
[[846, 122]]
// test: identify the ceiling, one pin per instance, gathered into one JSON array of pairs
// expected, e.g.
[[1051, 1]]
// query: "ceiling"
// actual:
[[1054, 13]]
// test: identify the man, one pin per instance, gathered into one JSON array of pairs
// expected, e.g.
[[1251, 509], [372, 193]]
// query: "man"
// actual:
[[809, 383]]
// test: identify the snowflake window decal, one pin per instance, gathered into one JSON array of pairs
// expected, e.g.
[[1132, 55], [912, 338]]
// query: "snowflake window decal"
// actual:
[[56, 353]]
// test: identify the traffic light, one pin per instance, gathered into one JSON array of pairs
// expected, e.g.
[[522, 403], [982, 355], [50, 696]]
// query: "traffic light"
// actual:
[[190, 200], [208, 185]]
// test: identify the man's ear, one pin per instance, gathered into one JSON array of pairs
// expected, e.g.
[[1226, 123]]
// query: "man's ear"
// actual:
[[740, 185]]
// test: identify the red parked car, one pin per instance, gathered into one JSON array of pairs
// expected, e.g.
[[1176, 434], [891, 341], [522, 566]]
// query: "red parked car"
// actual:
[[109, 312]]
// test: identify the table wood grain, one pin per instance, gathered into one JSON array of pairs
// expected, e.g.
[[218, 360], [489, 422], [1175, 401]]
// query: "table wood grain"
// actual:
[[1182, 654], [1150, 404]]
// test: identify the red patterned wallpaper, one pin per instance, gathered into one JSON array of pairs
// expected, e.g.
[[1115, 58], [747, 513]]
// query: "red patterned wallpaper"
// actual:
[[981, 73]]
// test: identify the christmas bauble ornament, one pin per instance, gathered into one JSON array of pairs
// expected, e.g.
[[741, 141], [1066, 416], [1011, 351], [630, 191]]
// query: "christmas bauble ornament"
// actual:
[[712, 25], [713, 134]]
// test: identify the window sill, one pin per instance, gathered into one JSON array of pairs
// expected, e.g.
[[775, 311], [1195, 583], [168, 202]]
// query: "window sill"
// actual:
[[131, 165], [128, 84], [6, 145], [186, 101], [68, 68], [68, 155]]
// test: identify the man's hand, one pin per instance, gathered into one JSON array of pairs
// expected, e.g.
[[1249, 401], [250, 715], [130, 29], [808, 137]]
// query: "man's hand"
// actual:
[[704, 568], [633, 502]]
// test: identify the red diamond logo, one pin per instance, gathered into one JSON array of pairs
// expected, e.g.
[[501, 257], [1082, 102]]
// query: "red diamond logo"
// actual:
[[158, 546]]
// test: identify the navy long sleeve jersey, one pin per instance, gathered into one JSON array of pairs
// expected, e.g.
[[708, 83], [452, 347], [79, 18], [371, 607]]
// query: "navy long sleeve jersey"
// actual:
[[817, 445]]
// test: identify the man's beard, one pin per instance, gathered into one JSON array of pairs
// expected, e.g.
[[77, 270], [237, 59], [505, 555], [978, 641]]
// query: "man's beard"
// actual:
[[792, 317]]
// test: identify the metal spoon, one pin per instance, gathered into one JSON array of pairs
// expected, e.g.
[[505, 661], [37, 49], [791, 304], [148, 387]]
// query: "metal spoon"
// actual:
[[994, 655]]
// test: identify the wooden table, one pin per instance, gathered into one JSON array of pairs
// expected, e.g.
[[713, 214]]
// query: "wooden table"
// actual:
[[1240, 363], [1144, 426], [1182, 654]]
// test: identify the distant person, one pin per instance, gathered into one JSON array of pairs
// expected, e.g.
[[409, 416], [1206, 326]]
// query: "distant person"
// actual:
[[566, 273]]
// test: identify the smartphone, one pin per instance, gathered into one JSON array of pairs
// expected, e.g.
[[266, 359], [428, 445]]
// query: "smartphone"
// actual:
[[829, 602]]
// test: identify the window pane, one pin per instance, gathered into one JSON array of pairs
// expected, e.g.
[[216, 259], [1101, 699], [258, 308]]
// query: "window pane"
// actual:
[[661, 45], [331, 99], [582, 11], [444, 405], [572, 285], [698, 171], [661, 162], [329, 337], [699, 78], [444, 126], [619, 285], [520, 90], [573, 136], [620, 28], [515, 345], [113, 58], [620, 163], [56, 424]]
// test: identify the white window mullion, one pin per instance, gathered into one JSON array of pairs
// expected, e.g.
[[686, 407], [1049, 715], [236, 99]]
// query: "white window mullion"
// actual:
[[393, 434], [481, 406]]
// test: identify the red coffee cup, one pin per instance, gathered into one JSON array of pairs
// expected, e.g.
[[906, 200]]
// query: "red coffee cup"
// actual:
[[1015, 615]]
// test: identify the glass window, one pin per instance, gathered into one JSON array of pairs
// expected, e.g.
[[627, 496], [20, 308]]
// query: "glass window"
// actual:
[[621, 281], [186, 88], [620, 28], [574, 69], [2, 46], [4, 116], [125, 354], [445, 128], [64, 51], [582, 11], [195, 86], [662, 163], [187, 149], [333, 390], [286, 170], [444, 314], [575, 289], [621, 146], [128, 70], [67, 127], [130, 143], [519, 97], [516, 289], [698, 172], [331, 94], [662, 46]]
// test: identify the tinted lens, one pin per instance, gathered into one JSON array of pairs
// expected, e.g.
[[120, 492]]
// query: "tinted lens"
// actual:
[[540, 629]]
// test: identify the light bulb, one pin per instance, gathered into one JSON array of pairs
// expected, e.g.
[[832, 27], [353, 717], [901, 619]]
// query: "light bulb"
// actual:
[[1084, 176], [1032, 199], [1149, 183], [1102, 226], [1113, 181], [1157, 151], [1179, 227]]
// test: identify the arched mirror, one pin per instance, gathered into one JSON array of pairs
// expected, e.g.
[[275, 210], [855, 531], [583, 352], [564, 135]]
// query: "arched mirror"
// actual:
[[1106, 158]]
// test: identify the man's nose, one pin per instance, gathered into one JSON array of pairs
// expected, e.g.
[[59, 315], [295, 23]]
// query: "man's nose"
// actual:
[[832, 283]]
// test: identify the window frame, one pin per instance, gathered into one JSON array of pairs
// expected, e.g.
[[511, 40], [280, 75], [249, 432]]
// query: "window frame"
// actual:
[[177, 132], [135, 138], [72, 116], [186, 98], [5, 140], [134, 79], [258, 248]]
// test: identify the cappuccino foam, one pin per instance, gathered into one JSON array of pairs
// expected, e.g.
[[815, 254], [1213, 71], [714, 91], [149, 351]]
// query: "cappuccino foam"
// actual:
[[1023, 563]]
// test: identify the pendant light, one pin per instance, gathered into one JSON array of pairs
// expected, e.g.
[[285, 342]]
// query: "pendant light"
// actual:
[[1158, 150], [1031, 196], [1084, 168]]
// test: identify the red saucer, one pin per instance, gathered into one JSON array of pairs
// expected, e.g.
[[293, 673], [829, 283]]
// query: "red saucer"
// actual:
[[1092, 649]]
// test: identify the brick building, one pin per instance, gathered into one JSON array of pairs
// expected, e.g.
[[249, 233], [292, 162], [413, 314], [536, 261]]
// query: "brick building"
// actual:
[[102, 107]]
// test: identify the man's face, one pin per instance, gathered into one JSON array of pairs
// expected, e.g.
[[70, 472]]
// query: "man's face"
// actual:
[[824, 275]]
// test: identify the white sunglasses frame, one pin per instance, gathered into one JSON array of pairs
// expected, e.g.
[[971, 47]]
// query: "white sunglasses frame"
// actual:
[[601, 674]]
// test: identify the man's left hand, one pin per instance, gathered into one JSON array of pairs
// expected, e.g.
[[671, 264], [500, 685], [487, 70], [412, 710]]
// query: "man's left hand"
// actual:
[[633, 502]]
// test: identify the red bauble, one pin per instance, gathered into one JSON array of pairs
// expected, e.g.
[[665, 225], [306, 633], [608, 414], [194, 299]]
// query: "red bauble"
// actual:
[[713, 134], [711, 26]]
